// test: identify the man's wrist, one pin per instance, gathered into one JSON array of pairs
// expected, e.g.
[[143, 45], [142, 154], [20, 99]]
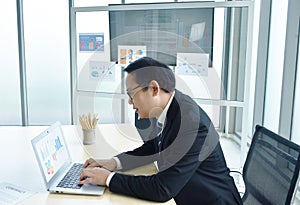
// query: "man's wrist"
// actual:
[[118, 162], [108, 179]]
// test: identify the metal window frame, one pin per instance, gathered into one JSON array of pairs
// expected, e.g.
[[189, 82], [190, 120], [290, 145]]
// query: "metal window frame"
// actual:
[[22, 64], [262, 63], [289, 70]]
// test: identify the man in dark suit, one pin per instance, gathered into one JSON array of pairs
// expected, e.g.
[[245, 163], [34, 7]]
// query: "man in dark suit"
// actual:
[[185, 145]]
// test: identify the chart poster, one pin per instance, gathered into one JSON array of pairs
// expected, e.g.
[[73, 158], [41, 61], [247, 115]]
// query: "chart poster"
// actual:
[[104, 71], [195, 64], [91, 42], [128, 54]]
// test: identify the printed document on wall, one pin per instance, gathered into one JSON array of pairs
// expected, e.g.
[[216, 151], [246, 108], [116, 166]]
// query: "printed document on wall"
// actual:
[[100, 70], [192, 64], [129, 53], [91, 42]]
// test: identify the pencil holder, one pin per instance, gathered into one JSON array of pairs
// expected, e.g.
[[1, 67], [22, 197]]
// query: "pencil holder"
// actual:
[[89, 136], [89, 124]]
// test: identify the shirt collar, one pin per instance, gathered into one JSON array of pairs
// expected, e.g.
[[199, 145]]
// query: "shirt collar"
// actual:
[[162, 118]]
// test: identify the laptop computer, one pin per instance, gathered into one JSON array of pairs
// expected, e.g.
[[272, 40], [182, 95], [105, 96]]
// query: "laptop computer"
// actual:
[[54, 161]]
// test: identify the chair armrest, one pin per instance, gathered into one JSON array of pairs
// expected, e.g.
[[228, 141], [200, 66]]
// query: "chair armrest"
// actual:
[[238, 180]]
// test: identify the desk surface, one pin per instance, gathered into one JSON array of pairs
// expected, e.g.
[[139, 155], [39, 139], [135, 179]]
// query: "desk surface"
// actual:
[[19, 167]]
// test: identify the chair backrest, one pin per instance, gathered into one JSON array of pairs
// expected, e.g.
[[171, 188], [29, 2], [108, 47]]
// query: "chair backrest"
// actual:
[[271, 169]]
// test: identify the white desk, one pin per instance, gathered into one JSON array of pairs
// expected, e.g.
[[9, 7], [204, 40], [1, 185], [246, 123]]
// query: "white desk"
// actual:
[[18, 165]]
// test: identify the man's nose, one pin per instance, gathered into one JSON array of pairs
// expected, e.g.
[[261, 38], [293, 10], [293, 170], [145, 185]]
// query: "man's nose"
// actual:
[[130, 101]]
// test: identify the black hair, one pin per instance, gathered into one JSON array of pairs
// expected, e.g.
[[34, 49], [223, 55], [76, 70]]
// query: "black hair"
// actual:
[[147, 69]]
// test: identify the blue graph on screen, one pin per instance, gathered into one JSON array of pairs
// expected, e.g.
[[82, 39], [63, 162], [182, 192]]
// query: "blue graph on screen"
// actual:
[[57, 143]]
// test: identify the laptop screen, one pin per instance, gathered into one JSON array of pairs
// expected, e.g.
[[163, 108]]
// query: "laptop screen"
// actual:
[[51, 151]]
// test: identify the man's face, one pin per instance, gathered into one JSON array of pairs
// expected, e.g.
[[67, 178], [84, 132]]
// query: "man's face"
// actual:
[[138, 98]]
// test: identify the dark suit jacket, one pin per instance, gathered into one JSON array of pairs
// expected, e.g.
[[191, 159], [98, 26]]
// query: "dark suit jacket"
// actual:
[[192, 168]]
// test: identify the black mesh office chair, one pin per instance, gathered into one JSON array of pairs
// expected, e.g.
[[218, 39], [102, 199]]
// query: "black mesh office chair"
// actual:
[[271, 169]]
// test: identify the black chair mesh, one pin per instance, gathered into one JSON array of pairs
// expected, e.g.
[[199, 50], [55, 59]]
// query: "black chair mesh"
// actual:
[[271, 169]]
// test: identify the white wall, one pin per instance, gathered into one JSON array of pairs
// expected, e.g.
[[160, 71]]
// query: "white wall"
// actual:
[[275, 64]]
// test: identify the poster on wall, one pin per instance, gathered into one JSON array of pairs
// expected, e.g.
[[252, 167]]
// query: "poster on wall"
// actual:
[[128, 54], [100, 70], [192, 64], [91, 42]]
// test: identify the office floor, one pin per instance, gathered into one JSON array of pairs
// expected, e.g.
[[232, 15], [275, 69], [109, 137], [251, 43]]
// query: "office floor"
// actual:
[[232, 155], [231, 151]]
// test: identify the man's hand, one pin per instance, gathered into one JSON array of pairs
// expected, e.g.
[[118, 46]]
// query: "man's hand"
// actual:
[[109, 164], [94, 175]]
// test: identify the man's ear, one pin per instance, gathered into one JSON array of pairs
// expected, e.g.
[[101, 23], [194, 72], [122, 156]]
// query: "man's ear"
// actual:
[[155, 87]]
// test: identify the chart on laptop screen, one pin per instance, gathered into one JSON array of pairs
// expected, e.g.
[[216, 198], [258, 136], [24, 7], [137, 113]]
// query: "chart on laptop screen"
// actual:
[[52, 153]]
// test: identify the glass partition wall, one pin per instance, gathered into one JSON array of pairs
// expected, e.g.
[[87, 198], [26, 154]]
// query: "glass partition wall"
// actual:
[[216, 37]]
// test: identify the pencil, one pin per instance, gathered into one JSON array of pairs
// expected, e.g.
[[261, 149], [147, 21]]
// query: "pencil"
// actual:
[[89, 121]]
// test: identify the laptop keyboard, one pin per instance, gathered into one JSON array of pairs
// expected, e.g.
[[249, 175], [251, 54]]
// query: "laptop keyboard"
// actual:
[[71, 179]]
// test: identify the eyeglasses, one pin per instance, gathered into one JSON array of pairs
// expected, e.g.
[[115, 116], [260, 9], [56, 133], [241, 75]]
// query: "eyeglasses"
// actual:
[[131, 92]]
